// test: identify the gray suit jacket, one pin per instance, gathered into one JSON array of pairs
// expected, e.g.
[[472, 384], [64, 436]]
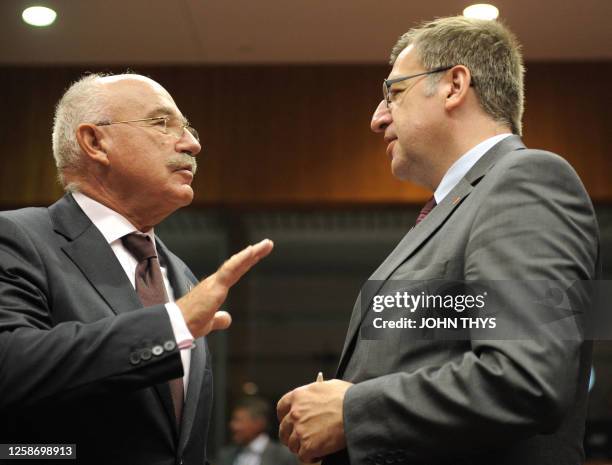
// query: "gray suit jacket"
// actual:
[[273, 454], [80, 359], [518, 214]]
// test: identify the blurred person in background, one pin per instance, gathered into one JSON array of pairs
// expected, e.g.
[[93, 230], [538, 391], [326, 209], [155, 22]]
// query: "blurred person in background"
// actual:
[[251, 443]]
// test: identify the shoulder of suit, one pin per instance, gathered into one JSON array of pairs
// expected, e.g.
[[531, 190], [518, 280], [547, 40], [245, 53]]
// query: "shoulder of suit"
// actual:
[[538, 172], [25, 220], [530, 156], [533, 164], [26, 215], [226, 453]]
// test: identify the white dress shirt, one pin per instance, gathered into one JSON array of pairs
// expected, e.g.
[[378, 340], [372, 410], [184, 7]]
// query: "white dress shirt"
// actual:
[[113, 227], [463, 164], [251, 454]]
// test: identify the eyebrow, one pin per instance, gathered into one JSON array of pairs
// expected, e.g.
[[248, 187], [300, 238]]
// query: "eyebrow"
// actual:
[[164, 110]]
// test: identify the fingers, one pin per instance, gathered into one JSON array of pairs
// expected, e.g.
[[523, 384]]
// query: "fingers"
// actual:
[[285, 432], [305, 455], [221, 320], [234, 268], [263, 248], [285, 428], [200, 306], [293, 443], [283, 406]]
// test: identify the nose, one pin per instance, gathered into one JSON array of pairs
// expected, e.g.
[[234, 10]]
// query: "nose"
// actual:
[[188, 144], [381, 118]]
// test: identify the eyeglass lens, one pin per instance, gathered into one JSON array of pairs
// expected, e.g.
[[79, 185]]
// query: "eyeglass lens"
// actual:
[[177, 128]]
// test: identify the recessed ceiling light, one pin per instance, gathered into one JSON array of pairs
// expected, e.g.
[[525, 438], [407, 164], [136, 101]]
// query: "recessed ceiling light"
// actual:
[[481, 11], [39, 16]]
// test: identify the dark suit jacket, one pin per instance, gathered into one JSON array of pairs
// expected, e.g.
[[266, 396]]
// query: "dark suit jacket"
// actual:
[[80, 360], [273, 454], [518, 214]]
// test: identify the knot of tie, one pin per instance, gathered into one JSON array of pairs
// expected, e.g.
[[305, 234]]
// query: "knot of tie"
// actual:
[[139, 246]]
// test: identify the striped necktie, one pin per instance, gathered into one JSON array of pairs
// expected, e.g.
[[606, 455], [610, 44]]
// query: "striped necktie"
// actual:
[[428, 207]]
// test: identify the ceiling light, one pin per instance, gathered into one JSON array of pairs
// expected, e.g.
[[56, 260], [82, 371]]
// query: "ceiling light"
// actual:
[[39, 16], [481, 11]]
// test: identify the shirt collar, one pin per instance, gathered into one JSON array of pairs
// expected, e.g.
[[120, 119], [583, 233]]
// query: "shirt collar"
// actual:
[[259, 444], [463, 164], [111, 224]]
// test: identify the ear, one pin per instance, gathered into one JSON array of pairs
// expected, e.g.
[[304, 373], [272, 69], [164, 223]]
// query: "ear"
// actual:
[[459, 85], [92, 142]]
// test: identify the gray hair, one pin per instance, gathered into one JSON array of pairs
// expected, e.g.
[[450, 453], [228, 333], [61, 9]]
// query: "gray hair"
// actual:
[[487, 48], [85, 101]]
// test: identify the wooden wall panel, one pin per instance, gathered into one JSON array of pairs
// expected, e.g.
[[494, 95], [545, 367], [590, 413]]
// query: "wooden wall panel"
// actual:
[[282, 135], [568, 112]]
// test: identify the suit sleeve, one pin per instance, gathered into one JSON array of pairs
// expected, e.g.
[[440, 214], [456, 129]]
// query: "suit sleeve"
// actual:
[[536, 224], [43, 362]]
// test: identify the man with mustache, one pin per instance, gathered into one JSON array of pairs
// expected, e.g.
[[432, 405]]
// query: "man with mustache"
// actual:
[[101, 327], [451, 116]]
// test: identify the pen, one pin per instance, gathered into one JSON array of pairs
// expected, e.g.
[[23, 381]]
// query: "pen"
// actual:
[[320, 377]]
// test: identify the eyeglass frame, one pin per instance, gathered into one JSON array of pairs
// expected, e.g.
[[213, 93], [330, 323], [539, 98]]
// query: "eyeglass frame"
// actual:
[[185, 126], [387, 83]]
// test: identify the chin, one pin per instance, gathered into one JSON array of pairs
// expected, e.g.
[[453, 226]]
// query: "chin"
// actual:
[[400, 171], [183, 195]]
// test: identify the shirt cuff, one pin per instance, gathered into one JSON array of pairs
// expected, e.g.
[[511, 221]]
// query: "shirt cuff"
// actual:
[[182, 335]]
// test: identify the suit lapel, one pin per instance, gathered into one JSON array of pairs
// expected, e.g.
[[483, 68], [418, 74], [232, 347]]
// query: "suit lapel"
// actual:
[[182, 283], [233, 455], [194, 389], [269, 455], [409, 244], [178, 273], [90, 252], [420, 233]]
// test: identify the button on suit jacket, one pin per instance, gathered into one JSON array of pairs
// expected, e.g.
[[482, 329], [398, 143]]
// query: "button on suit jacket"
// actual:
[[81, 361]]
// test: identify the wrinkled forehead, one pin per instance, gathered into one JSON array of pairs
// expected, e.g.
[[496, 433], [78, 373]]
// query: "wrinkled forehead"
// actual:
[[134, 96]]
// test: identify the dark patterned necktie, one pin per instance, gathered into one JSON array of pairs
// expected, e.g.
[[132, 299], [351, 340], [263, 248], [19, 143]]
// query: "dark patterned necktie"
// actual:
[[151, 290], [428, 207]]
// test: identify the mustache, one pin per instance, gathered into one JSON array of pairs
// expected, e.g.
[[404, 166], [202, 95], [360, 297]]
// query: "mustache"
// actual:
[[180, 160]]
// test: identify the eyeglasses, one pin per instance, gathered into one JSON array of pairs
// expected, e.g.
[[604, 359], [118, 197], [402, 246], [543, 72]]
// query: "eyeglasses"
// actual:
[[165, 124], [387, 83]]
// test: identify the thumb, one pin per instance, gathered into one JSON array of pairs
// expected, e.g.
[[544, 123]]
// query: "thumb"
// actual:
[[221, 320]]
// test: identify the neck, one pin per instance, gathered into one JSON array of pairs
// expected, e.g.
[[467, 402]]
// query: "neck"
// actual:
[[472, 138], [468, 136], [141, 216]]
